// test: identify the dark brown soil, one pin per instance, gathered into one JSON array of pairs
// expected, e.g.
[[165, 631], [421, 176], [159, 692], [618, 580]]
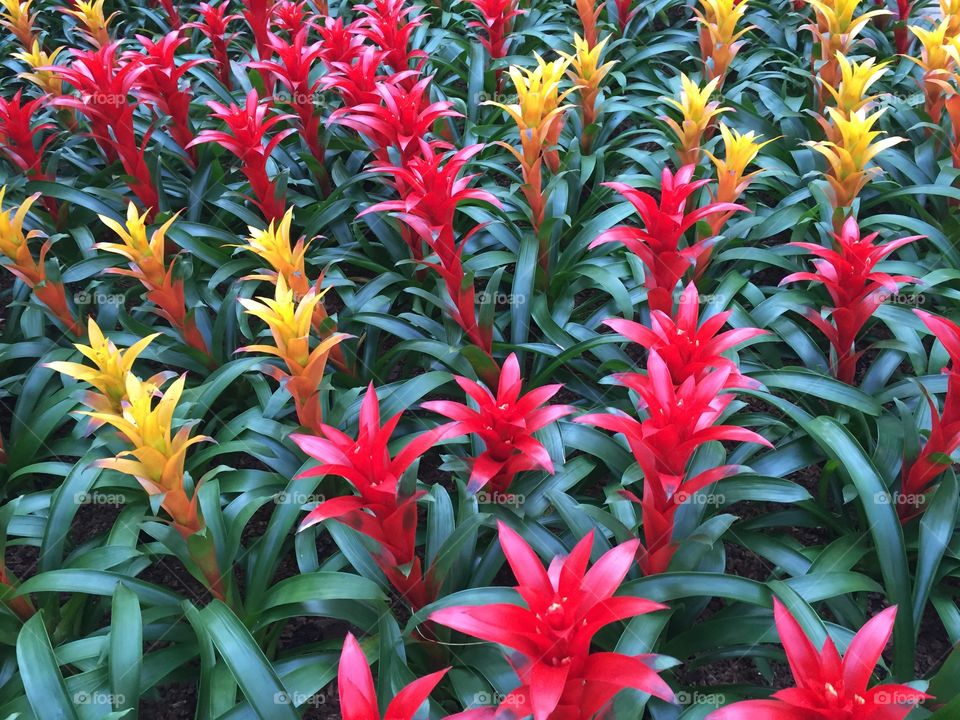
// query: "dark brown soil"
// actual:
[[177, 701]]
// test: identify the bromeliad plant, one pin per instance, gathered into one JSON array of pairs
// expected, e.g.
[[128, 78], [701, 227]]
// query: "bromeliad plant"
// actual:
[[856, 287]]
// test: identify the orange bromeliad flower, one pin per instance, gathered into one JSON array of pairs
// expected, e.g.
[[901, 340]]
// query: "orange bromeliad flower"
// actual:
[[290, 321], [836, 30], [15, 16], [96, 25], [589, 12], [719, 37], [854, 147], [587, 73], [148, 264], [937, 63], [14, 246], [698, 113], [272, 244], [111, 368], [157, 459], [739, 150], [538, 113]]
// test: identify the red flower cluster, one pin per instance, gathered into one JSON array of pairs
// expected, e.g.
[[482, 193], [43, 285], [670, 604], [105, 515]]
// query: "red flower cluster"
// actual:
[[657, 244], [431, 189], [497, 24], [828, 687], [506, 423], [855, 287], [381, 510], [944, 437], [566, 605], [213, 23], [105, 84], [248, 126], [681, 393]]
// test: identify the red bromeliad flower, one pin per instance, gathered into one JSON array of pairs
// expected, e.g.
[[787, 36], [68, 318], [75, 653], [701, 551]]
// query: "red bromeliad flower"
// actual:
[[679, 420], [293, 67], [357, 81], [828, 687], [901, 38], [213, 24], [431, 189], [388, 25], [565, 607], [292, 17], [160, 84], [401, 118], [687, 348], [20, 139], [506, 423], [855, 287], [105, 84], [497, 24], [944, 437], [248, 125], [358, 696], [258, 14], [380, 511], [624, 13], [657, 244], [339, 43]]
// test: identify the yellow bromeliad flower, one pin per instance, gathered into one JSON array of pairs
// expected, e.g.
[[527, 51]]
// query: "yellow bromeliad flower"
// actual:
[[272, 244], [851, 152], [158, 454], [15, 16], [146, 254], [856, 79], [698, 113], [538, 108], [538, 113], [719, 36], [587, 73], [739, 150], [950, 11], [937, 62], [14, 246], [35, 57], [111, 366], [90, 13], [290, 322], [836, 27]]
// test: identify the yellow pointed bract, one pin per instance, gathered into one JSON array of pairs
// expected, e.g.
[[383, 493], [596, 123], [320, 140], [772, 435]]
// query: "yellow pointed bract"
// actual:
[[855, 81], [937, 62], [290, 322], [698, 111], [90, 14], [272, 244], [109, 370], [849, 156], [35, 57], [587, 73], [15, 16], [157, 456], [721, 30]]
